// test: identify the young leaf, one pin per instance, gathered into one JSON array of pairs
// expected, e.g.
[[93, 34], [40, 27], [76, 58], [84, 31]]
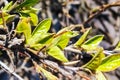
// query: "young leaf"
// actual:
[[38, 38], [63, 42], [27, 3], [43, 42], [57, 53], [92, 43], [34, 18], [40, 31], [8, 6], [47, 74], [110, 63], [82, 38], [37, 46], [43, 27], [100, 76], [7, 18], [30, 12], [95, 61], [24, 27]]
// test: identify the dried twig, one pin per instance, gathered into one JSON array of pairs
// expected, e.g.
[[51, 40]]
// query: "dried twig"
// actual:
[[11, 71], [83, 76], [71, 49], [100, 10]]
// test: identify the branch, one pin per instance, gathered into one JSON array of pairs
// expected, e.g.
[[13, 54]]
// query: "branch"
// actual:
[[100, 10], [8, 69], [71, 49]]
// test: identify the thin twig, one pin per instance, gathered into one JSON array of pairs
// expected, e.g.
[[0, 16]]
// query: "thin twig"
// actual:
[[100, 10], [83, 76], [11, 71], [71, 49]]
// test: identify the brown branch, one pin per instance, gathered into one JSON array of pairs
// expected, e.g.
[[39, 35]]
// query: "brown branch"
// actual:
[[83, 76], [100, 10]]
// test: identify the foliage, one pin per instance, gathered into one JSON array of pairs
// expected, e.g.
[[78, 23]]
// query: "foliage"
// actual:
[[39, 42]]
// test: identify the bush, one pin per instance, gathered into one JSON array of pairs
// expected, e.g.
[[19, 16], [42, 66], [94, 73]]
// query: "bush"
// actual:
[[25, 42]]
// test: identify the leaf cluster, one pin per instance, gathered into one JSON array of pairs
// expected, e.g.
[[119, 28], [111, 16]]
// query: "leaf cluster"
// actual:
[[41, 41]]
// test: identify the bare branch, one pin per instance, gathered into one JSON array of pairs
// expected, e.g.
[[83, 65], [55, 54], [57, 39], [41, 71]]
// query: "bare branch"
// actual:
[[101, 9], [71, 49], [11, 71]]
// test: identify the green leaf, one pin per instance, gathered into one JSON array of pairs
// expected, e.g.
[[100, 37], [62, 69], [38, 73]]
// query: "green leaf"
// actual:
[[24, 27], [37, 46], [47, 39], [54, 41], [29, 10], [94, 63], [110, 63], [7, 18], [38, 38], [82, 38], [27, 3], [118, 46], [55, 52], [34, 18], [47, 74], [43, 27], [63, 42], [92, 43], [43, 42], [40, 31], [100, 76], [8, 6], [32, 13]]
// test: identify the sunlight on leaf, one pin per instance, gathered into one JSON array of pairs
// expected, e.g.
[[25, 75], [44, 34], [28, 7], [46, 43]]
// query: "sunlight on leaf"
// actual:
[[43, 42], [38, 38], [40, 31], [47, 74], [43, 27], [57, 53], [24, 27], [110, 63], [100, 75], [94, 63], [47, 39], [34, 18], [92, 43], [37, 46], [29, 10], [32, 13], [82, 38], [8, 6], [7, 18], [63, 42]]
